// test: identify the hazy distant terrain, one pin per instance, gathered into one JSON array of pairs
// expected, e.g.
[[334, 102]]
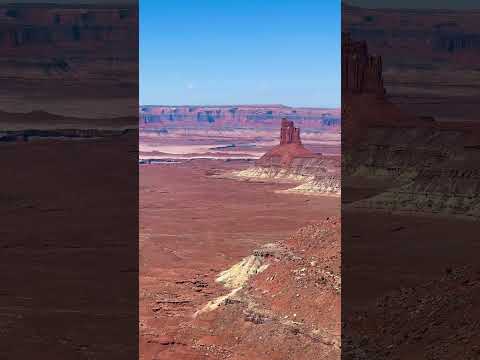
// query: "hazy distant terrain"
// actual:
[[234, 132], [237, 116], [73, 60]]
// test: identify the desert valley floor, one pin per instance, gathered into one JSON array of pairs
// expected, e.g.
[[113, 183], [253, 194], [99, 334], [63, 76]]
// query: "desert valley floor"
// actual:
[[193, 226]]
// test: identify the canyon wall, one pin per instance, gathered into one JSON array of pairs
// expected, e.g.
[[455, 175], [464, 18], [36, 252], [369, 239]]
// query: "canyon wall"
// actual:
[[242, 116], [69, 59], [59, 27]]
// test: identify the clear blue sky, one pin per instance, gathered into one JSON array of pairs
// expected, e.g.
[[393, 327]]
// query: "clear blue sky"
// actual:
[[217, 52]]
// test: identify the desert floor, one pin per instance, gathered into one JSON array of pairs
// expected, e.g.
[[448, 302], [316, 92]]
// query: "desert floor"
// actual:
[[194, 225]]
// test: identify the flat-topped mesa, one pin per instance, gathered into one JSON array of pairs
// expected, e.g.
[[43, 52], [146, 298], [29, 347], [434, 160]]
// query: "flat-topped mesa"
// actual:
[[289, 134], [361, 72]]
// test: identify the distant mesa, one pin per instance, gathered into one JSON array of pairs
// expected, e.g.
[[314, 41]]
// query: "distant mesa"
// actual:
[[267, 117]]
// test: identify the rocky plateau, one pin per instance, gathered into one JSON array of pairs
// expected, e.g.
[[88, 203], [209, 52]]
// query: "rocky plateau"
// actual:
[[241, 116]]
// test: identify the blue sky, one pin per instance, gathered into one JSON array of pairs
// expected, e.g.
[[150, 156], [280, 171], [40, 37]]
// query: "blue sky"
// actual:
[[218, 52]]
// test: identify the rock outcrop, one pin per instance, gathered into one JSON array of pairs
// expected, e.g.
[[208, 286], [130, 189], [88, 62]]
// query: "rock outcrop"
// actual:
[[429, 56], [291, 162], [415, 156], [361, 72], [273, 310], [289, 134], [289, 151]]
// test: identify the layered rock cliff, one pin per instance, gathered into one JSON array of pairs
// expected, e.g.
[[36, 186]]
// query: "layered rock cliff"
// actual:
[[69, 59], [242, 116]]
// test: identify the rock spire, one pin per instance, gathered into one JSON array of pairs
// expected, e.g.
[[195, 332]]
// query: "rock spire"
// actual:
[[289, 134]]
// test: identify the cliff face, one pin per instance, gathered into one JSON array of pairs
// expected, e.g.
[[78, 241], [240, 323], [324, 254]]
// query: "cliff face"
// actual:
[[253, 116]]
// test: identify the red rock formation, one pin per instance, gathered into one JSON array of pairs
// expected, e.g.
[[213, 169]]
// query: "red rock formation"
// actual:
[[289, 134], [361, 72], [289, 149], [364, 100]]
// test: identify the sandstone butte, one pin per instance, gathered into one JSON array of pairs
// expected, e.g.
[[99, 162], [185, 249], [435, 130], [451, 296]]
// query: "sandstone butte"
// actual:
[[365, 103], [431, 165], [290, 147]]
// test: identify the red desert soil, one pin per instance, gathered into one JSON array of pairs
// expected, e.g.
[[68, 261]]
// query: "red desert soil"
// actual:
[[289, 311], [69, 210], [438, 300], [192, 227]]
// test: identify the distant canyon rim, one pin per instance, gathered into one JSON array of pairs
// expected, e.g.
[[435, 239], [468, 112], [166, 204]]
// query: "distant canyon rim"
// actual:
[[241, 132]]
